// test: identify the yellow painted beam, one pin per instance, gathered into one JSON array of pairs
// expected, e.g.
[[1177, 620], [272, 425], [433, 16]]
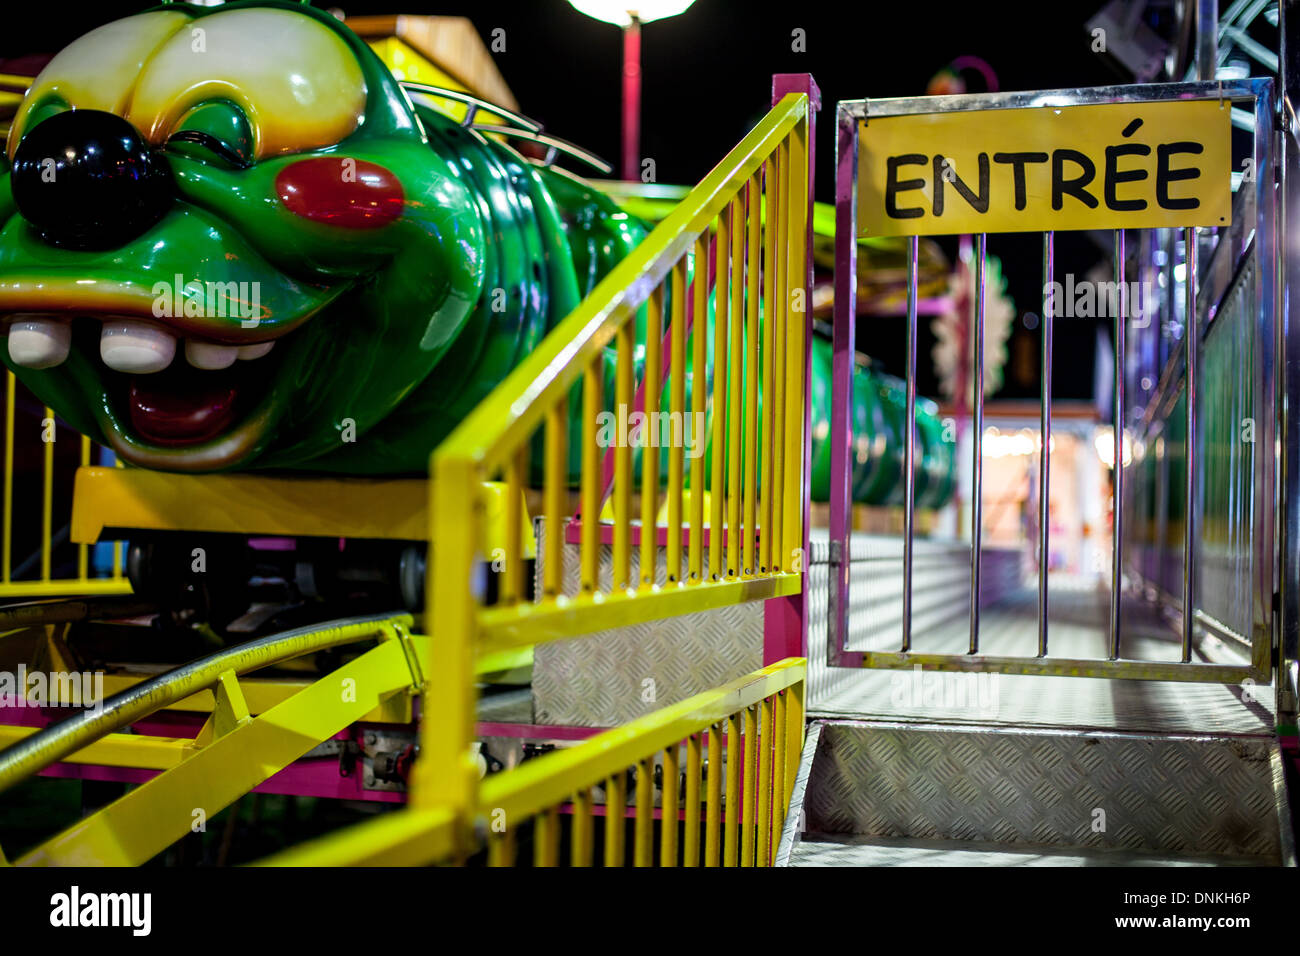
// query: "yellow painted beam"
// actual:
[[406, 837], [546, 781], [515, 659], [134, 829], [502, 628], [261, 695], [117, 750], [68, 588], [134, 498]]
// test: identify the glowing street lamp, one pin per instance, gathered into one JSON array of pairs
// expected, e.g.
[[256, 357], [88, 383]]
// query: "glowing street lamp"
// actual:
[[630, 14]]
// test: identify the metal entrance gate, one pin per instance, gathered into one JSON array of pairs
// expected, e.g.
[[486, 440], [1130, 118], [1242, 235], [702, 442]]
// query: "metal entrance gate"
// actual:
[[1228, 297]]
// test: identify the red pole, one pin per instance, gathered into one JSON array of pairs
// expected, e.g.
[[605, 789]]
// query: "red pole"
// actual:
[[631, 98]]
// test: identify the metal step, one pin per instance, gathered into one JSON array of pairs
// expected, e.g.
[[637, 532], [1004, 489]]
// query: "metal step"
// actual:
[[822, 849], [875, 793]]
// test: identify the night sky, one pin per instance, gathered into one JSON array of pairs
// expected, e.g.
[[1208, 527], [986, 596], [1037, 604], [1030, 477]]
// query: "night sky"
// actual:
[[707, 79]]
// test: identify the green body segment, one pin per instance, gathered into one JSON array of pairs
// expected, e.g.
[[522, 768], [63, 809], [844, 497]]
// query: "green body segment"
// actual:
[[878, 455]]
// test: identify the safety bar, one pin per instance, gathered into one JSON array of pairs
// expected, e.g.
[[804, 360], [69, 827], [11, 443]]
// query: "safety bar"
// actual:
[[554, 145], [472, 103]]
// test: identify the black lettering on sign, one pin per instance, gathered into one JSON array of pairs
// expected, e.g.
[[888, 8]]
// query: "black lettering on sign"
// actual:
[[980, 203], [1115, 175], [1165, 175], [894, 186], [1018, 161], [1076, 186]]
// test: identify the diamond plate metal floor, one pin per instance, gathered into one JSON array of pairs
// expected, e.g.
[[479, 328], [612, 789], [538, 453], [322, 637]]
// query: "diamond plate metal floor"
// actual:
[[830, 850], [1078, 616], [893, 794]]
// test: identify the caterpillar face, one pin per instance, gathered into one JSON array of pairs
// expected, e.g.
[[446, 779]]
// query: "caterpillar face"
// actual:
[[224, 240]]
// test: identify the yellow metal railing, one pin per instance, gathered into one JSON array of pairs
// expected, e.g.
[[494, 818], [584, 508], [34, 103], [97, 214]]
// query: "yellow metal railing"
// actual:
[[755, 203], [43, 434], [731, 809], [741, 825]]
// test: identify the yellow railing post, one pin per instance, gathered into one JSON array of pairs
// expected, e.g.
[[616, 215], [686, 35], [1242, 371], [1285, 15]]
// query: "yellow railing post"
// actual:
[[796, 305], [735, 386], [7, 561], [676, 407], [752, 438], [717, 480], [445, 774], [691, 838], [699, 400], [650, 448], [47, 491], [794, 737], [782, 494]]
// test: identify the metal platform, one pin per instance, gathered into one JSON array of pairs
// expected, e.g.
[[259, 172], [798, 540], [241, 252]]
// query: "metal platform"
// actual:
[[1078, 616], [600, 681], [892, 794], [827, 850]]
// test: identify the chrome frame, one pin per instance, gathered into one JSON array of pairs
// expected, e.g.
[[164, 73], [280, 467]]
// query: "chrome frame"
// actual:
[[1288, 346], [1259, 240]]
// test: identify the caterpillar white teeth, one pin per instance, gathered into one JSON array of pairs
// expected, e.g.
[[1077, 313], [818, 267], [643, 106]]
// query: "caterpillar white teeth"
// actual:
[[249, 352], [127, 346], [210, 356], [38, 342]]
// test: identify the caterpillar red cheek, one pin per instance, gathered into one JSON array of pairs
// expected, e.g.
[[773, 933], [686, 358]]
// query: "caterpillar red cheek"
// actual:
[[341, 191]]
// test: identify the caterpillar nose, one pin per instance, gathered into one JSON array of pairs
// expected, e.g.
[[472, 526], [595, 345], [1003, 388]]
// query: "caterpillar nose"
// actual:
[[85, 179]]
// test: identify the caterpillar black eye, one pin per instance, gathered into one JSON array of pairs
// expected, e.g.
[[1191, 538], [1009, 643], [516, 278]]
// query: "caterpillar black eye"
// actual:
[[86, 179]]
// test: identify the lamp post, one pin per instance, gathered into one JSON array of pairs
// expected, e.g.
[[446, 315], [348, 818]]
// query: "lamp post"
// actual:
[[630, 14]]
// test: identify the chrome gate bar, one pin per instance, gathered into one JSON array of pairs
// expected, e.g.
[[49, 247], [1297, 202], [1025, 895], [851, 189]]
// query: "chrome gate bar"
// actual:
[[1045, 433], [842, 362], [977, 464], [1117, 496], [1192, 356], [909, 459], [1288, 347]]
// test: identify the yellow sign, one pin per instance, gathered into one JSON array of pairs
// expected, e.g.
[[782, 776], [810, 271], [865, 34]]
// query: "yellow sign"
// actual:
[[1109, 166]]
